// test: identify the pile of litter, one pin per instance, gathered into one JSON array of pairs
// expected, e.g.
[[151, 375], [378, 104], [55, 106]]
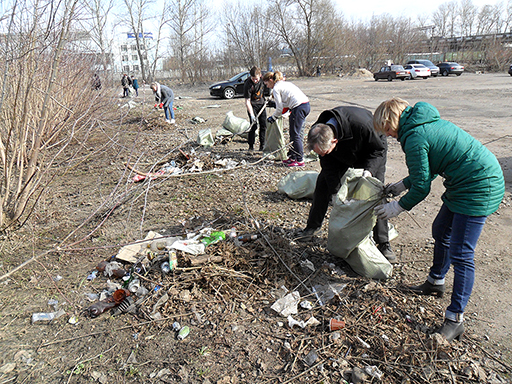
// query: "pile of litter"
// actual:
[[184, 163], [328, 322]]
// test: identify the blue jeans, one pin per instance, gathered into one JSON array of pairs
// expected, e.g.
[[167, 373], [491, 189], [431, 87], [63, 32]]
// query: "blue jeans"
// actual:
[[297, 122], [168, 110], [455, 238]]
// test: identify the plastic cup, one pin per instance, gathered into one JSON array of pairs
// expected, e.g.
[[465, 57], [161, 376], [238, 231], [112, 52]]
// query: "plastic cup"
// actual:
[[335, 324]]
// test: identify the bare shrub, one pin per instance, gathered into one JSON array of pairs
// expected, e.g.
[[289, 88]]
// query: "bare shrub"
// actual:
[[46, 103]]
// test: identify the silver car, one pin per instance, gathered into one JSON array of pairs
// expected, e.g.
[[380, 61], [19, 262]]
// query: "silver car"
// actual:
[[434, 70]]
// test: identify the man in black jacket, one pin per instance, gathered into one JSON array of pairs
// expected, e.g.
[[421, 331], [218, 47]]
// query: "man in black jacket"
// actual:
[[344, 138], [254, 94]]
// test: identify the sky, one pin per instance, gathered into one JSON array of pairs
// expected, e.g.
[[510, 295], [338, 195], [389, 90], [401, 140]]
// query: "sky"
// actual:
[[364, 10]]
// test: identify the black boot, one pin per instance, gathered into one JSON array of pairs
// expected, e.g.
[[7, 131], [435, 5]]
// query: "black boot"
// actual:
[[428, 288], [387, 252], [451, 330]]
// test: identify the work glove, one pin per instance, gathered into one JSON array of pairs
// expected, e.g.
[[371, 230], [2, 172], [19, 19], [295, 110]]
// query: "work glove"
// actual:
[[271, 104], [156, 106], [394, 189], [161, 105], [253, 119], [271, 120], [367, 173], [388, 210]]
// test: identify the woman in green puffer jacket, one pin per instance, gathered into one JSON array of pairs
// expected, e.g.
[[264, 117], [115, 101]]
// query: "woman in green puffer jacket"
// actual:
[[474, 189]]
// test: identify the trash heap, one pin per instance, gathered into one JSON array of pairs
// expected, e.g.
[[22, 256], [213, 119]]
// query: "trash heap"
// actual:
[[328, 321], [192, 162]]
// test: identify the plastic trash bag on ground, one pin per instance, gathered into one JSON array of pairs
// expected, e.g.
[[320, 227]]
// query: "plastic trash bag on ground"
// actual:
[[205, 138], [351, 224], [235, 125], [298, 185], [275, 141]]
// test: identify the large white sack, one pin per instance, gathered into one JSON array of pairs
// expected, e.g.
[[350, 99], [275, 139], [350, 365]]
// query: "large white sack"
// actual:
[[351, 225], [236, 125], [275, 142]]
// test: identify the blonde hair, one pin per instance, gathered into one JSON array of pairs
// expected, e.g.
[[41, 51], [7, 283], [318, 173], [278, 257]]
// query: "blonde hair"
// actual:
[[274, 76], [388, 113]]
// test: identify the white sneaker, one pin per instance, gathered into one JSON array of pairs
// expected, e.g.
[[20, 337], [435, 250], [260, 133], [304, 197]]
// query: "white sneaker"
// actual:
[[172, 121], [168, 121]]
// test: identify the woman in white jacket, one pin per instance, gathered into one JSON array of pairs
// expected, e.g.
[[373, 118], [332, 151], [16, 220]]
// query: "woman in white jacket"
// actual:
[[289, 97]]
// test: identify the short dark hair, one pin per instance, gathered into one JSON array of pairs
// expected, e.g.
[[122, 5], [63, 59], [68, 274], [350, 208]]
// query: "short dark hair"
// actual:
[[255, 71]]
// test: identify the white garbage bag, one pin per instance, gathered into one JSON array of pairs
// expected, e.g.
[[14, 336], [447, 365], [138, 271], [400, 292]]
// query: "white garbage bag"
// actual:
[[298, 185], [351, 224]]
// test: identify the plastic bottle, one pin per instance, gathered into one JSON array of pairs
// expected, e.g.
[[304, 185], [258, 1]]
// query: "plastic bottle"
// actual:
[[48, 316], [173, 259], [183, 332], [101, 306], [134, 285], [215, 237], [246, 238], [165, 267]]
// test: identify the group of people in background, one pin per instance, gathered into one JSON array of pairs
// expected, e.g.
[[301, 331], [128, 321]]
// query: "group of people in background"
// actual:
[[128, 82], [352, 137]]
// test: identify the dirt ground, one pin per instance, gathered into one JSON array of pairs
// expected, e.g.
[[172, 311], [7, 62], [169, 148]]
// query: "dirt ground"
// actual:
[[235, 337]]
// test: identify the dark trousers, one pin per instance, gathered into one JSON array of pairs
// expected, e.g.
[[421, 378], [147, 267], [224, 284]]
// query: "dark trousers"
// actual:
[[262, 123], [297, 122]]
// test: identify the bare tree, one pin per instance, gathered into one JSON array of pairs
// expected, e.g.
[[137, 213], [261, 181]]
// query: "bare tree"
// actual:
[[301, 25], [159, 38], [486, 20], [42, 105], [139, 12], [251, 32], [441, 18], [97, 25], [189, 22], [467, 12]]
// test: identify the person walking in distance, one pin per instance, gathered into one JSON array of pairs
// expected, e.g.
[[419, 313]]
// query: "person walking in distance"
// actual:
[[125, 83], [288, 97], [164, 97], [254, 94], [135, 85]]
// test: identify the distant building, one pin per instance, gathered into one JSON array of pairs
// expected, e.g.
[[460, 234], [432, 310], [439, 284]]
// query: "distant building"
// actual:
[[125, 55]]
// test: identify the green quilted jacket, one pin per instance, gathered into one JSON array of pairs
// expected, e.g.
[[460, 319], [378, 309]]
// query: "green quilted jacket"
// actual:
[[472, 175]]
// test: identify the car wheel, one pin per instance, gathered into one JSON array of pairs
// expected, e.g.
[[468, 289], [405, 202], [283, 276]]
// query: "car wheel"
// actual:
[[410, 77], [229, 93], [376, 78], [402, 78], [390, 78], [458, 74], [444, 73]]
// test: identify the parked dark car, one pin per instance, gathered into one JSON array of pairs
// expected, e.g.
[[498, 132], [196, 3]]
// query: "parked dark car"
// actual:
[[391, 72], [450, 68], [434, 69], [232, 87], [510, 70]]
